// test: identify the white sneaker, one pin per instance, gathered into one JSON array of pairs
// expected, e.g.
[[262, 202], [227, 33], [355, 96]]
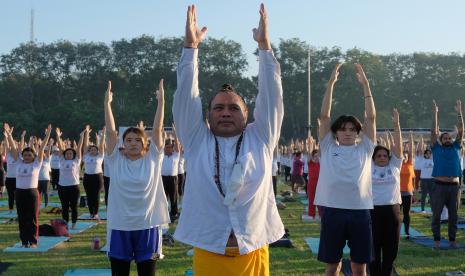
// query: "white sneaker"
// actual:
[[423, 212]]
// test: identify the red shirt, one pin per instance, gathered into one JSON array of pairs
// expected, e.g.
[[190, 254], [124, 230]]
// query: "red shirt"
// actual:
[[313, 172], [298, 167]]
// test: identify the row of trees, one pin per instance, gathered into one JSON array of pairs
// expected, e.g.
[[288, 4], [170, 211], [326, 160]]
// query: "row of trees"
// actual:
[[63, 83]]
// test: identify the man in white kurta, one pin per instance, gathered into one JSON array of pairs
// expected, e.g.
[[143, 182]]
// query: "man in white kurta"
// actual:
[[248, 210]]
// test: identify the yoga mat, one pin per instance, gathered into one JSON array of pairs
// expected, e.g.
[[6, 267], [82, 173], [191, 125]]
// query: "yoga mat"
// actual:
[[4, 267], [461, 226], [306, 218], [91, 272], [429, 242], [190, 252], [189, 272], [44, 244], [413, 232], [102, 215], [304, 201], [81, 226], [50, 204], [6, 214], [418, 210], [314, 244], [3, 203]]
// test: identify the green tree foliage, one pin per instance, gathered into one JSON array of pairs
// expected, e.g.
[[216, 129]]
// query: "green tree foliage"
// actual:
[[63, 83]]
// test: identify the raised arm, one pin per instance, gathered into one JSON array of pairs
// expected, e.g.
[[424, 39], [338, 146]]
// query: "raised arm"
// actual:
[[187, 106], [40, 152], [325, 113], [85, 144], [396, 146], [369, 128], [79, 145], [109, 121], [411, 146], [458, 109], [101, 141], [434, 127], [60, 145], [12, 148], [157, 129], [269, 107]]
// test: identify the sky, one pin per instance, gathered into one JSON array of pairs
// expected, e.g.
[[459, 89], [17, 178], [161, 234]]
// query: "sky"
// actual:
[[378, 26]]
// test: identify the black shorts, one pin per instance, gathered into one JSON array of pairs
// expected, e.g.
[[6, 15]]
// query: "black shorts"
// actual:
[[339, 226]]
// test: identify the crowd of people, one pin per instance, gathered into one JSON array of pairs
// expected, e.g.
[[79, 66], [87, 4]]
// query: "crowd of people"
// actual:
[[356, 181]]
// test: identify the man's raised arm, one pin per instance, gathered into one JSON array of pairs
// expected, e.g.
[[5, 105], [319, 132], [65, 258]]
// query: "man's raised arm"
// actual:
[[269, 108], [187, 106]]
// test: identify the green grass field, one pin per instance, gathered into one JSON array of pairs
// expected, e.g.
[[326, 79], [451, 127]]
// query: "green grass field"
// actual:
[[77, 253]]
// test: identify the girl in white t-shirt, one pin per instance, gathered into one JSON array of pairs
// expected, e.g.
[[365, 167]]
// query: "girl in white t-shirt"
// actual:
[[93, 177], [385, 216], [344, 183], [26, 194], [68, 184], [137, 205]]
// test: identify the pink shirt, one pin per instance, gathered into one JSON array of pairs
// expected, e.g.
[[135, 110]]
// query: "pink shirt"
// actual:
[[298, 167]]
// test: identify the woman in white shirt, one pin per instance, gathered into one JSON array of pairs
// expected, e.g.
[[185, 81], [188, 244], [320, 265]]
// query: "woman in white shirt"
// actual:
[[44, 174], [385, 216], [68, 185], [27, 180], [137, 206], [426, 179], [55, 166], [93, 177]]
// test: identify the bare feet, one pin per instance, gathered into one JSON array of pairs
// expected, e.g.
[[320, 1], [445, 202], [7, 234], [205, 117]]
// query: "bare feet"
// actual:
[[73, 226], [437, 244], [34, 245]]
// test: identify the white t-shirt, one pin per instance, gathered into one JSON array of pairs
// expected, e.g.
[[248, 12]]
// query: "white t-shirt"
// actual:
[[305, 160], [106, 168], [55, 161], [136, 199], [93, 164], [386, 183], [181, 164], [69, 172], [345, 174], [169, 166], [11, 166], [274, 167], [426, 167], [44, 173], [27, 174]]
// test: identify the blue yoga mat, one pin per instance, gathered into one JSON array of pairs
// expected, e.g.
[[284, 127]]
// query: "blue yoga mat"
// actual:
[[418, 210], [6, 214], [102, 215], [304, 201], [429, 242], [314, 244], [3, 203], [81, 226], [50, 204], [189, 272], [461, 226], [90, 272], [413, 232], [44, 244]]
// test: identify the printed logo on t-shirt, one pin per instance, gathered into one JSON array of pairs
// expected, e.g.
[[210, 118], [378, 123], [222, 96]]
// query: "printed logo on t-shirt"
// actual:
[[382, 175]]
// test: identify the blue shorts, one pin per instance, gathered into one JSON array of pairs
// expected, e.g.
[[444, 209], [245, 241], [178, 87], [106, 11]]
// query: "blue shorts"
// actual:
[[341, 225], [138, 245]]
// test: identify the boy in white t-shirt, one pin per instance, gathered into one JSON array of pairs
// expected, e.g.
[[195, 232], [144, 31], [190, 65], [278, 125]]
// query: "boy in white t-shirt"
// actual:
[[344, 184]]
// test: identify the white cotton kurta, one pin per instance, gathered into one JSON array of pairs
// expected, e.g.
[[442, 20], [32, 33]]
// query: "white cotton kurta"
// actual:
[[206, 222], [136, 199]]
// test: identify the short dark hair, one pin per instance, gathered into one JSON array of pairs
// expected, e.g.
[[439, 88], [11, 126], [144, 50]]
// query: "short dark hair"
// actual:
[[344, 119], [298, 154], [92, 146], [378, 148], [226, 88], [442, 135], [28, 149], [72, 150]]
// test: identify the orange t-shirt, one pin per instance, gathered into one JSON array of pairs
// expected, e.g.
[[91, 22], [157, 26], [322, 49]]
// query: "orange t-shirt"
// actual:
[[407, 175]]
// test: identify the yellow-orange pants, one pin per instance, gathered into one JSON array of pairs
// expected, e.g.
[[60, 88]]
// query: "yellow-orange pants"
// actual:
[[255, 263]]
